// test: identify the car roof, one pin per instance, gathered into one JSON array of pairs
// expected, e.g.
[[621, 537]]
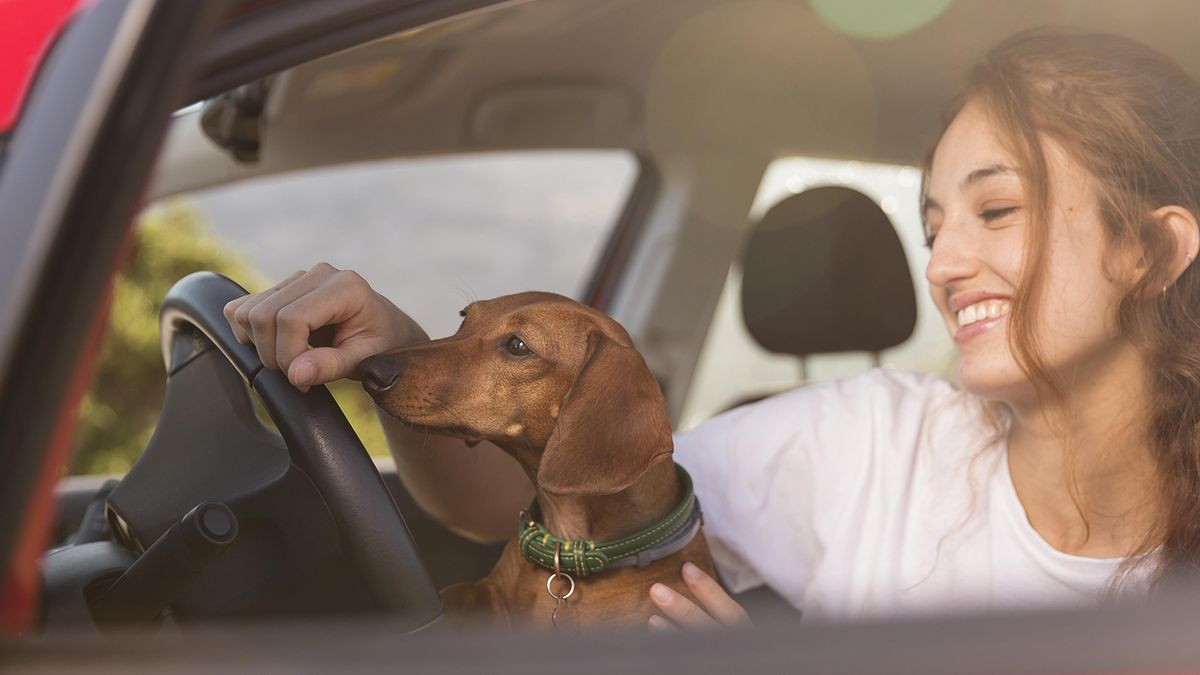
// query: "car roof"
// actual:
[[739, 82]]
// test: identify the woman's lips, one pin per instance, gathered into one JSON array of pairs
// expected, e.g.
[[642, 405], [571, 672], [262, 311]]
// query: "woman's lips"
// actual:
[[967, 332], [981, 314]]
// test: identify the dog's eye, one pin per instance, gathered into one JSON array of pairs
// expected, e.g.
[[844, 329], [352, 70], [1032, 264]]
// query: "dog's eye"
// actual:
[[517, 347]]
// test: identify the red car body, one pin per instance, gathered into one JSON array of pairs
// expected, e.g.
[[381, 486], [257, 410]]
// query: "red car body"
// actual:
[[28, 31]]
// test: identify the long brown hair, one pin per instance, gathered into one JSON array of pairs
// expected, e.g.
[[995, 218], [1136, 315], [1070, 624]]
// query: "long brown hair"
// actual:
[[1131, 118]]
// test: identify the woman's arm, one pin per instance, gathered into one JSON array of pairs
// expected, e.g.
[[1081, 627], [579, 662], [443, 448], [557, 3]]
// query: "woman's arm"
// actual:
[[478, 491]]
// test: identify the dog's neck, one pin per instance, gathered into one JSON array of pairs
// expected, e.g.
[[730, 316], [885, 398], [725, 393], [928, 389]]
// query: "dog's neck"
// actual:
[[607, 517]]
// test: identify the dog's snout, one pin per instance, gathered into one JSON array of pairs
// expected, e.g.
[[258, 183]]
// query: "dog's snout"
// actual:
[[379, 373]]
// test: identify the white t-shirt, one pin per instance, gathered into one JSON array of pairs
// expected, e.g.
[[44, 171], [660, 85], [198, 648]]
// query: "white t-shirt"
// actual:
[[884, 494]]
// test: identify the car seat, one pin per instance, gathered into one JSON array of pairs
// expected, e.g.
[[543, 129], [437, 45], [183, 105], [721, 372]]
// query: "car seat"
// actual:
[[824, 272]]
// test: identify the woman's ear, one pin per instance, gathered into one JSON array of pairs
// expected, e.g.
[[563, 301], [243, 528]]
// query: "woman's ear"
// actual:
[[1184, 230]]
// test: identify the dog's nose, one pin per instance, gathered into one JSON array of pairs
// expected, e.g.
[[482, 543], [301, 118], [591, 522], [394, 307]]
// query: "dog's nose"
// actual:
[[378, 373]]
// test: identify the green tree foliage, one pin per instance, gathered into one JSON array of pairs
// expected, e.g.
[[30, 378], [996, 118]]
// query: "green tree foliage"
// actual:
[[121, 408]]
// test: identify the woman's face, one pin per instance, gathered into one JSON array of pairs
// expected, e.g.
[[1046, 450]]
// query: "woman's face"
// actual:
[[977, 214]]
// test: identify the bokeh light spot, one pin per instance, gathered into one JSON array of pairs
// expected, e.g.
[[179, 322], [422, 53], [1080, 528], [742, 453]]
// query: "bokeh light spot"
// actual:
[[877, 19]]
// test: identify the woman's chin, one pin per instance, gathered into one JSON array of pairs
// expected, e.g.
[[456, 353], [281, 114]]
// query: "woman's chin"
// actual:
[[993, 381]]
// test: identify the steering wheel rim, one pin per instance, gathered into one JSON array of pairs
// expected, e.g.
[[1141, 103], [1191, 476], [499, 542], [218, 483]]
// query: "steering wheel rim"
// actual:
[[322, 443]]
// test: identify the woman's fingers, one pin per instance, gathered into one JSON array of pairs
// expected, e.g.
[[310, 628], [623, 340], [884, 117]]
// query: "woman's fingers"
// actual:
[[713, 606], [320, 365], [660, 625], [261, 317], [713, 598], [241, 331], [279, 320], [326, 364], [340, 300], [679, 609]]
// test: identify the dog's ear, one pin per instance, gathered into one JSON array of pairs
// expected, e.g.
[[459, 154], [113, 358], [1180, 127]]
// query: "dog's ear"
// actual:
[[611, 428]]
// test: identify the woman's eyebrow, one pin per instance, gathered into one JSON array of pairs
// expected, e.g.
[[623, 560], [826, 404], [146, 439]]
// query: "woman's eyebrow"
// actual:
[[929, 204], [986, 172]]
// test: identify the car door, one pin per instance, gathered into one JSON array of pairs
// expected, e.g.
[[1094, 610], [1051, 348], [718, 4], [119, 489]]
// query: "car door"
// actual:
[[73, 174]]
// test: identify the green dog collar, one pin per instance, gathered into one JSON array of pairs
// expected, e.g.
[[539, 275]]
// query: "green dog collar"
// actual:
[[584, 557]]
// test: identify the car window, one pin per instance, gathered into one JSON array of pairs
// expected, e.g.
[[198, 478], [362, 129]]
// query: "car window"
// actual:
[[732, 367], [431, 234]]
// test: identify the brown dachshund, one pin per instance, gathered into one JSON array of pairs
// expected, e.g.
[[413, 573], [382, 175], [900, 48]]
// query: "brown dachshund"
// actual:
[[559, 387]]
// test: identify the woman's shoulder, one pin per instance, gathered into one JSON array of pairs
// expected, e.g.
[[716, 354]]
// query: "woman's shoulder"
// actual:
[[882, 417], [878, 392], [877, 406], [885, 384]]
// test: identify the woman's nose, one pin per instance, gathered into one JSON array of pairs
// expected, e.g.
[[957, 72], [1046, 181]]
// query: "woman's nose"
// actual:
[[952, 257]]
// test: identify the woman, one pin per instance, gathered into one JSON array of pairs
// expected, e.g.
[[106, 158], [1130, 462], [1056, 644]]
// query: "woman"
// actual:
[[1060, 204]]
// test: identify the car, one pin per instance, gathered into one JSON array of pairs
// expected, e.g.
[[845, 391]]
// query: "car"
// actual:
[[652, 159]]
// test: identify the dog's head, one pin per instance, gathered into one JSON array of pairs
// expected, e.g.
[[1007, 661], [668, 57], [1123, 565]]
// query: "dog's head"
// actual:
[[554, 382]]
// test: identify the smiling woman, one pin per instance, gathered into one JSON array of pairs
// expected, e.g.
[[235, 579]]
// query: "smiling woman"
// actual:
[[1060, 208], [1092, 239]]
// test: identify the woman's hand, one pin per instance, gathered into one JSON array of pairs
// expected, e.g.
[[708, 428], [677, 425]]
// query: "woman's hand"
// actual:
[[716, 608], [279, 321]]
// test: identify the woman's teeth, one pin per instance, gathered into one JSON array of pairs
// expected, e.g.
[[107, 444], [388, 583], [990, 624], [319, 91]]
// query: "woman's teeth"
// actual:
[[988, 309]]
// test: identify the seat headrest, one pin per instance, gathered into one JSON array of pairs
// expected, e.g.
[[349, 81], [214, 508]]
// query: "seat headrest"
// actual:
[[824, 271]]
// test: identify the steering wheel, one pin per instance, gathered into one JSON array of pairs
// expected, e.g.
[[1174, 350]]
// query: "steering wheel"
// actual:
[[204, 410]]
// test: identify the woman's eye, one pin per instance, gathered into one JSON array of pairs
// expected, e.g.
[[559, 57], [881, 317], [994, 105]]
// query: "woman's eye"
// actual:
[[930, 235], [517, 347], [989, 215]]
